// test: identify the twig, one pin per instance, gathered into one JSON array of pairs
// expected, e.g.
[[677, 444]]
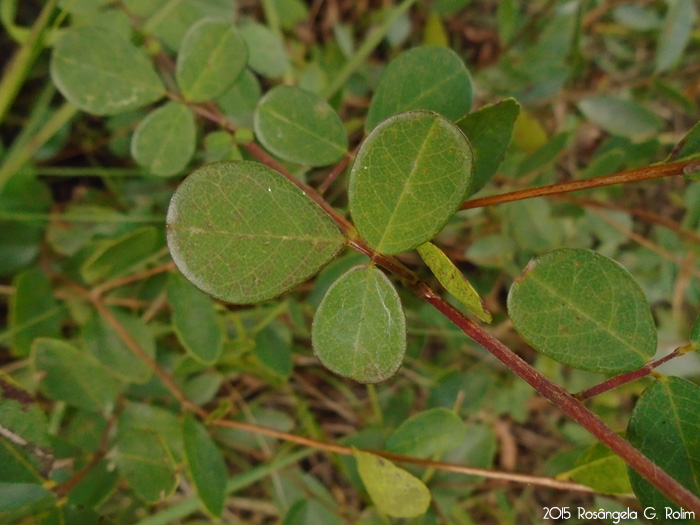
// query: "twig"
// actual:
[[334, 174]]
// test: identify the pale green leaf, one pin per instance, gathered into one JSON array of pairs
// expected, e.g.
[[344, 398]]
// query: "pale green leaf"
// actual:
[[105, 345], [489, 131], [427, 77], [194, 320], [266, 53], [359, 330], [394, 491], [299, 126], [243, 233], [206, 465], [620, 116], [453, 280], [73, 376], [114, 256], [165, 140], [409, 178], [675, 33], [602, 470], [427, 434], [664, 427], [583, 310], [33, 311], [102, 73], [211, 57]]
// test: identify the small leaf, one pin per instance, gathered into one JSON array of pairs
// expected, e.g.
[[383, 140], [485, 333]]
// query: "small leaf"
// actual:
[[105, 345], [695, 332], [688, 147], [489, 131], [409, 177], [453, 280], [528, 133], [266, 53], [602, 470], [211, 57], [206, 465], [299, 126], [243, 233], [427, 434], [434, 33], [664, 427], [115, 256], [675, 33], [239, 102], [583, 310], [620, 117], [33, 311], [73, 376], [427, 77], [393, 490], [273, 350], [359, 330], [165, 140], [102, 73]]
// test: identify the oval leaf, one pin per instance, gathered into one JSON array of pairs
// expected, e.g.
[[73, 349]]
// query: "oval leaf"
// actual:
[[211, 57], [266, 53], [243, 233], [453, 280], [207, 467], [194, 320], [427, 434], [602, 470], [409, 177], [73, 376], [164, 141], [620, 116], [664, 427], [675, 33], [359, 330], [394, 491], [299, 126], [426, 77], [102, 73], [583, 310]]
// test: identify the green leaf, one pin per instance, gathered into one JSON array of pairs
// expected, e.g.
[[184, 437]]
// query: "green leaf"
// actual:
[[489, 131], [688, 147], [299, 126], [664, 427], [427, 77], [266, 53], [409, 177], [105, 345], [33, 311], [206, 465], [102, 73], [243, 233], [452, 279], [675, 33], [239, 102], [427, 434], [144, 460], [73, 376], [620, 117], [18, 500], [194, 320], [602, 470], [583, 310], [359, 330], [165, 140], [211, 57], [115, 256], [695, 332], [394, 491], [96, 486], [273, 350]]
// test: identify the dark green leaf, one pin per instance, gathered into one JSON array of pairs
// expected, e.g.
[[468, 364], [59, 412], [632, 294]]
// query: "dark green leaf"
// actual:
[[73, 376], [489, 131], [243, 233], [359, 329], [102, 73], [206, 465], [273, 349], [211, 57], [409, 178], [664, 427], [299, 126], [689, 146], [584, 310], [164, 141], [427, 434]]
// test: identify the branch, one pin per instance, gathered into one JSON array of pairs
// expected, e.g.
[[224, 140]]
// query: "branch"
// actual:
[[639, 174]]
